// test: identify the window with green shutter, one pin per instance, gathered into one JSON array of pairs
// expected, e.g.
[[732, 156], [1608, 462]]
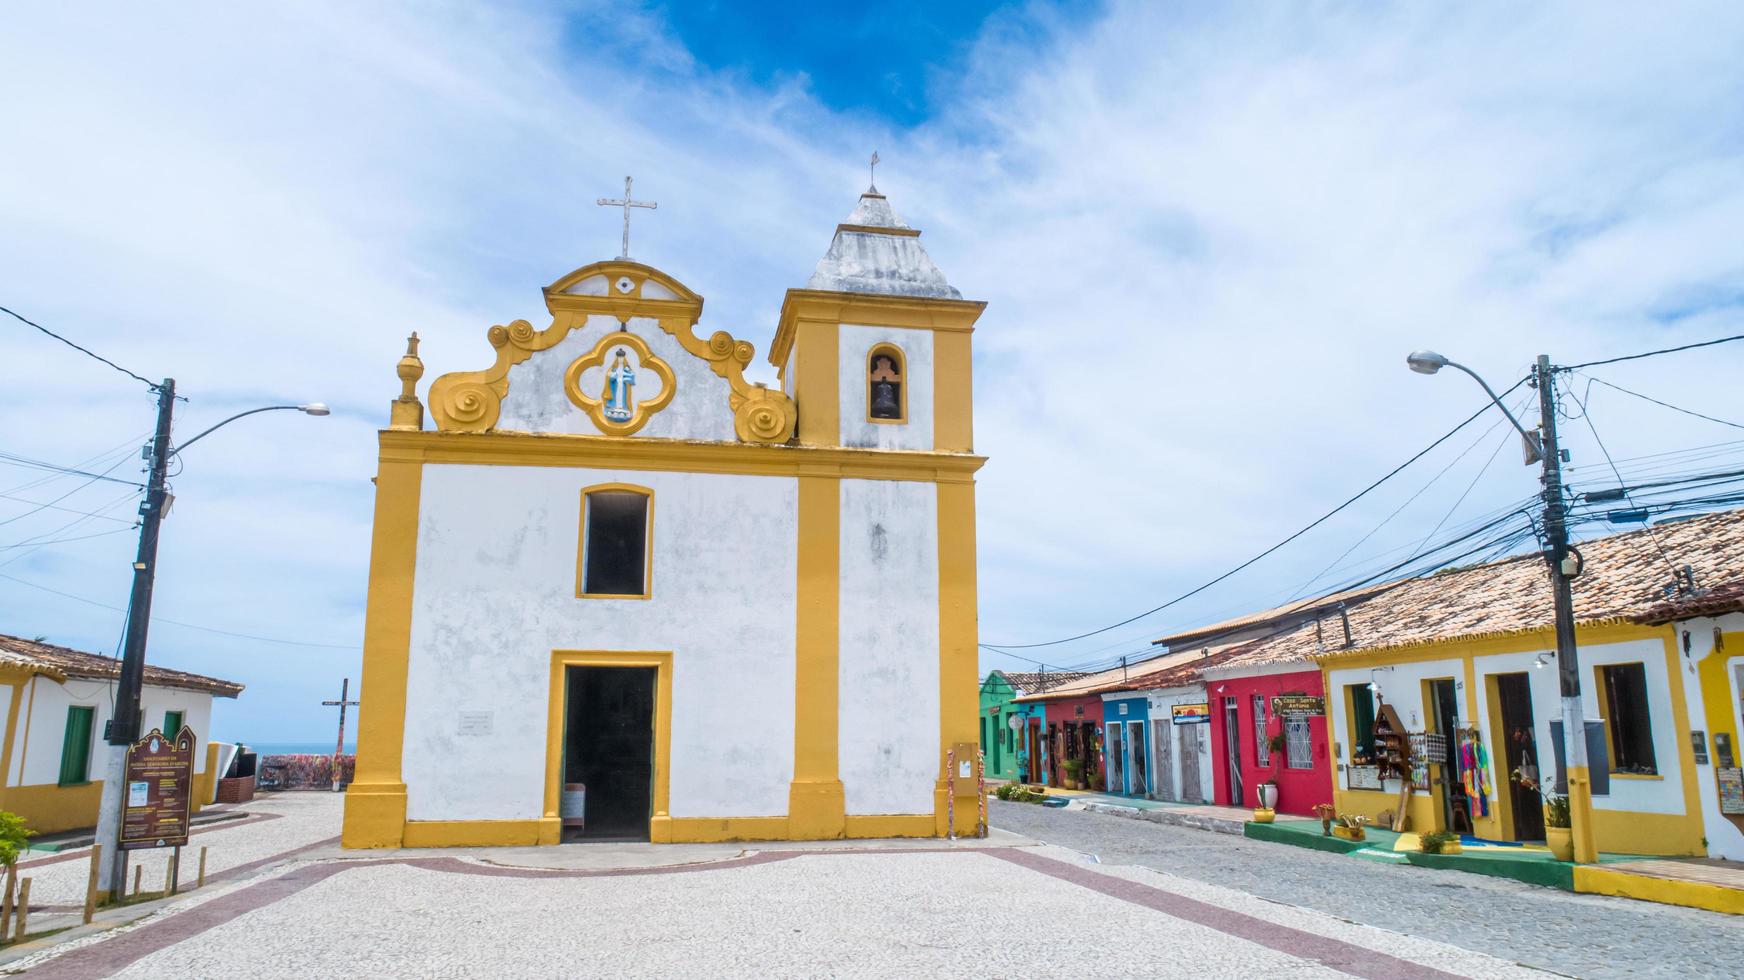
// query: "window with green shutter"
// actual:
[[76, 746], [172, 724]]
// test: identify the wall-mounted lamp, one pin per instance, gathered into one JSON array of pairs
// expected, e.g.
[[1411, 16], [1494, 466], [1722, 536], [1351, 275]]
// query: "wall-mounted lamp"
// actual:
[[1375, 688], [1542, 661]]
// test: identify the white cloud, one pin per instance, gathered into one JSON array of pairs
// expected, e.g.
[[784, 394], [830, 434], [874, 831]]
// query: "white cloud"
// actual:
[[1207, 240]]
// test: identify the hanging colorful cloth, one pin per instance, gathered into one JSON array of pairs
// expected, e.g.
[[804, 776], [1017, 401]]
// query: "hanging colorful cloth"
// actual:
[[1483, 773]]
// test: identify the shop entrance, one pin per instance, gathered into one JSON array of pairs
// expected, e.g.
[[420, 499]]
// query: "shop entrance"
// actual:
[[1164, 764], [1232, 748], [1455, 810], [1135, 741], [1520, 748], [608, 748], [1189, 738]]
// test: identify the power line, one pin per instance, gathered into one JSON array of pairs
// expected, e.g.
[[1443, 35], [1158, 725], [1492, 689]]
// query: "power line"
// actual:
[[65, 510], [1304, 530], [1587, 416], [1651, 353], [85, 351], [172, 622], [51, 504], [1656, 401], [36, 464]]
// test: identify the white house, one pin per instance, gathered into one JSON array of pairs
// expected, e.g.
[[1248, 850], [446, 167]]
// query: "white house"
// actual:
[[55, 703]]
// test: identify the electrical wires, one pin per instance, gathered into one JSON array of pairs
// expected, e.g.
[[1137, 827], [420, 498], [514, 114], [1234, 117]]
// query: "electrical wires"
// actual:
[[1304, 530], [1651, 353], [85, 351]]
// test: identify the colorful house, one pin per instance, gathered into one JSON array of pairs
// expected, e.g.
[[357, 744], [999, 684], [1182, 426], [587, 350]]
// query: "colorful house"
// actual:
[[56, 702], [1181, 758], [1014, 739], [1442, 693], [1126, 741], [1709, 630], [1268, 725]]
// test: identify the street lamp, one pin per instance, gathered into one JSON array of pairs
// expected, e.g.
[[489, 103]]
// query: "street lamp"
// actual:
[[1541, 447], [124, 724], [1429, 362]]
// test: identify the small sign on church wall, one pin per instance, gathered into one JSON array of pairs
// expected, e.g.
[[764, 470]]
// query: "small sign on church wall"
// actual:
[[475, 723]]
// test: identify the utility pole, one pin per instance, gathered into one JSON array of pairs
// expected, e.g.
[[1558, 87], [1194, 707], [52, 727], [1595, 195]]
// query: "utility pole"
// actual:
[[1574, 731], [124, 725]]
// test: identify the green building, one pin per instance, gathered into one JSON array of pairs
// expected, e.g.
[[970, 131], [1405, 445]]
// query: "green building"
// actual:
[[1006, 744]]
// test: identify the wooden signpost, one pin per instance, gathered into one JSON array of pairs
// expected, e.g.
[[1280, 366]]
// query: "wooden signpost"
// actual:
[[159, 788]]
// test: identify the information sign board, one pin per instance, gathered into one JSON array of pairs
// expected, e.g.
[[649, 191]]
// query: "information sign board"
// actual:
[[1286, 705], [1198, 713], [159, 785]]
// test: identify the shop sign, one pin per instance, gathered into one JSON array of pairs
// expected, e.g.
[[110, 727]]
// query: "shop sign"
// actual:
[[1363, 777], [1298, 705], [1731, 790], [1197, 713], [160, 777], [1699, 743]]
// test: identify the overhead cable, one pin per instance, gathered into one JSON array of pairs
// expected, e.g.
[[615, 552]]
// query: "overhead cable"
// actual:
[[85, 351]]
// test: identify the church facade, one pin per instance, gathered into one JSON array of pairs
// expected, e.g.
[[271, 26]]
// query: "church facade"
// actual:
[[619, 591]]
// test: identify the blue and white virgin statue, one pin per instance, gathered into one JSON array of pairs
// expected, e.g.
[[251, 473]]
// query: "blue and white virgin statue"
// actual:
[[620, 380]]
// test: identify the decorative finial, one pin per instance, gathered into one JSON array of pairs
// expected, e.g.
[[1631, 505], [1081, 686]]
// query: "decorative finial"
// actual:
[[406, 412], [626, 203], [872, 168]]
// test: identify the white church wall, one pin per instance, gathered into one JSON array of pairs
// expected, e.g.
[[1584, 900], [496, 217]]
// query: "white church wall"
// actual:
[[536, 401], [854, 346], [888, 738], [494, 595]]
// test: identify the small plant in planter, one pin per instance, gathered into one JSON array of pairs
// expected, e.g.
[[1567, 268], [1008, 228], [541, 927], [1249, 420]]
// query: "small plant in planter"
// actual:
[[1074, 769], [1326, 812], [1439, 842], [1350, 827], [1558, 831]]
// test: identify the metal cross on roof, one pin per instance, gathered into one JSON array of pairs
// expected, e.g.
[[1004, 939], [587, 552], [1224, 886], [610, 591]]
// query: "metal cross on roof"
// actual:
[[626, 202], [873, 169]]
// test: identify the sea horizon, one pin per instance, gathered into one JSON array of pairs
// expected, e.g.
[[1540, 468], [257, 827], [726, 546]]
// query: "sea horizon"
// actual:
[[297, 748]]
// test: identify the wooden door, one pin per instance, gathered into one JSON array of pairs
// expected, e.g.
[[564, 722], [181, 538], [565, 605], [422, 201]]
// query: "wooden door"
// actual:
[[1164, 764], [1189, 739]]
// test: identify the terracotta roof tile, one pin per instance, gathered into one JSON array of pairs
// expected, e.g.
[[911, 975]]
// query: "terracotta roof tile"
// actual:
[[67, 662], [1031, 682]]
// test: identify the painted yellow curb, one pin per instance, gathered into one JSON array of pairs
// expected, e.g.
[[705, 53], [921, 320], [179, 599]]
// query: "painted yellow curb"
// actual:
[[1667, 891]]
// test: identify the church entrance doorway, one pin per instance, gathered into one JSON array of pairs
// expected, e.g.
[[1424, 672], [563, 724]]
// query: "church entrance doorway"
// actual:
[[608, 749]]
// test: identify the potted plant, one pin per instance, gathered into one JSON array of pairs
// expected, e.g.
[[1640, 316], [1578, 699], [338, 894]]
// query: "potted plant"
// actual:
[[1074, 769], [1439, 842], [1350, 827], [1558, 835], [1264, 814], [1325, 811]]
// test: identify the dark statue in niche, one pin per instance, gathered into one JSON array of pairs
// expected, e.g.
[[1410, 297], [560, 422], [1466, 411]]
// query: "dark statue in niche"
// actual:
[[884, 376]]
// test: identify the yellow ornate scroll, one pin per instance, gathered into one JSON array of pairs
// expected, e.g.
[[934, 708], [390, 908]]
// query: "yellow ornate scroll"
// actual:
[[471, 401]]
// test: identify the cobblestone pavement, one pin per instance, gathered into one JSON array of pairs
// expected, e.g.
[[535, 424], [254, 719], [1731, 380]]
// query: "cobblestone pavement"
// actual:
[[1578, 935], [277, 823], [985, 911]]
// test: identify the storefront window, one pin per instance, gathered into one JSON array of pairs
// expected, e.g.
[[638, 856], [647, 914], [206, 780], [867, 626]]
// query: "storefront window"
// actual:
[[1625, 699], [1262, 748], [1362, 724], [1298, 743]]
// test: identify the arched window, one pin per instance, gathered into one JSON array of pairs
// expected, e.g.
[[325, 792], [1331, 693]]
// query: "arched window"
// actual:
[[617, 542], [886, 390]]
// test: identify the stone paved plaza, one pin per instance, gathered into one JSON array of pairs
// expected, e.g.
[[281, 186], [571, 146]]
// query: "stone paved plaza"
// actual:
[[1576, 935], [1006, 906]]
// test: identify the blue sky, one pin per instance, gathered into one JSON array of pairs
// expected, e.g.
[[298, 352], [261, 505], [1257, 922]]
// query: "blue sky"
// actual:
[[1207, 234]]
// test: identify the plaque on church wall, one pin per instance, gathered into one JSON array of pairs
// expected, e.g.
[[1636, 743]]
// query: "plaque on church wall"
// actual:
[[159, 781], [474, 723], [1731, 783]]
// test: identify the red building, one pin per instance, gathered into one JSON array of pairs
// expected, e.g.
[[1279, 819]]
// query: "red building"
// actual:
[[1074, 732], [1268, 724]]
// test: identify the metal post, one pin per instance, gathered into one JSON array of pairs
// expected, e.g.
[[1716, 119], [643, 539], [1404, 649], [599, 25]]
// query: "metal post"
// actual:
[[124, 726], [951, 793], [1574, 734]]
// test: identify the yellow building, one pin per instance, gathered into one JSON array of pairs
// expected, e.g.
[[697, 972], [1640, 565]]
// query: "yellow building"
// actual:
[[1457, 673], [56, 702], [621, 590]]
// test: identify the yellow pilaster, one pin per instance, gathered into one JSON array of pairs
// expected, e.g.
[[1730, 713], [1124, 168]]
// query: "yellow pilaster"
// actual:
[[815, 805], [958, 692], [953, 415], [818, 364], [375, 803]]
